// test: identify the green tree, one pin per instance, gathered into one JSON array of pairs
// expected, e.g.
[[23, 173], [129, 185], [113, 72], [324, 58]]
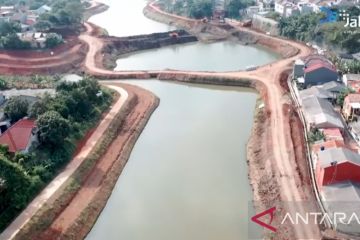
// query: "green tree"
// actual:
[[43, 25], [201, 9], [53, 39], [16, 108], [234, 6], [40, 107], [315, 135], [53, 129], [17, 184], [12, 41], [3, 84], [7, 28], [340, 98]]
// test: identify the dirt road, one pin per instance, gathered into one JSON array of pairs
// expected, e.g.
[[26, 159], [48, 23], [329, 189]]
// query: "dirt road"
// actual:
[[269, 75], [118, 151], [282, 154]]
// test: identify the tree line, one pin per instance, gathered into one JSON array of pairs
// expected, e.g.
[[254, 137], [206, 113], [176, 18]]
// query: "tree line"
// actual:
[[61, 120], [204, 8], [335, 35]]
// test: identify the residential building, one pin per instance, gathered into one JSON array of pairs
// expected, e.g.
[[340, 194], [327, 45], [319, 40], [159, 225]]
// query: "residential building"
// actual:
[[318, 70], [354, 128], [250, 11], [20, 136], [37, 39], [319, 113], [335, 88], [321, 146], [333, 134], [298, 70], [43, 9], [305, 7], [351, 107], [343, 197], [317, 92], [352, 81], [336, 165], [286, 8]]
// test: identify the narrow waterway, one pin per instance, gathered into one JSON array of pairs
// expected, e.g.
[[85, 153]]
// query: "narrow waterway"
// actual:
[[219, 56], [126, 18], [187, 177]]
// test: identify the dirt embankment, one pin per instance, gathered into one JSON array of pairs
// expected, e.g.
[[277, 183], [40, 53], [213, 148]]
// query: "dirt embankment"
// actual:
[[64, 58], [204, 31], [114, 47], [211, 31], [67, 57], [81, 208]]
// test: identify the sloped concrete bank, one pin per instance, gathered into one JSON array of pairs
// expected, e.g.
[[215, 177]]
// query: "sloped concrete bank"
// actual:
[[115, 46]]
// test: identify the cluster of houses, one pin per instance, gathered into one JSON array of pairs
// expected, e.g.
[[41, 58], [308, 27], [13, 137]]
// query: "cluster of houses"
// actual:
[[287, 8], [336, 157], [27, 19]]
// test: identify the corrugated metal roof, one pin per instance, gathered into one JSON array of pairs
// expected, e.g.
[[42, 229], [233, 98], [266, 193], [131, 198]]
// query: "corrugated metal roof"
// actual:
[[315, 91], [343, 198], [338, 155], [321, 113], [333, 86]]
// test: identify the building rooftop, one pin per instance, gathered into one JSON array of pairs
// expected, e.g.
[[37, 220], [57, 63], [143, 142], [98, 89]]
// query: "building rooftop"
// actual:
[[332, 134], [17, 137], [352, 77], [327, 145], [315, 62], [320, 112], [353, 98], [344, 198], [333, 86], [337, 155], [315, 91]]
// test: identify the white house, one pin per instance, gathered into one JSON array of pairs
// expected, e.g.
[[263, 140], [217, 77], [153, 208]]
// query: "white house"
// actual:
[[305, 7], [43, 9], [286, 8]]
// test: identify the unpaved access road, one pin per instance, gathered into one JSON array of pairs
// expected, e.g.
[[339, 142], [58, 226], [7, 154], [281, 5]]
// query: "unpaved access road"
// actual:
[[55, 184], [282, 153], [269, 75]]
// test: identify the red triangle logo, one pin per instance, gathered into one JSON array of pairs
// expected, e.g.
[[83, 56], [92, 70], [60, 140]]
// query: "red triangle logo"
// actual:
[[270, 212]]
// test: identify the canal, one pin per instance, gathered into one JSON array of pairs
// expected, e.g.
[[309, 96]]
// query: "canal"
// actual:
[[187, 176]]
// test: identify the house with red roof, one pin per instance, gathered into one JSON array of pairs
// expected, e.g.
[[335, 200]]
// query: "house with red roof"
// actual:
[[335, 165], [316, 70], [20, 136], [333, 134]]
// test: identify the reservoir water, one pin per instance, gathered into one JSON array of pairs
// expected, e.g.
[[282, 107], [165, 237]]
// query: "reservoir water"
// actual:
[[187, 174], [219, 56]]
